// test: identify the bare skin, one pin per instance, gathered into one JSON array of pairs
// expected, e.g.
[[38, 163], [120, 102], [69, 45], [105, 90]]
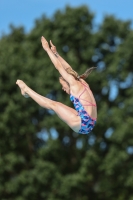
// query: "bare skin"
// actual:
[[65, 113], [70, 86], [92, 111], [62, 61]]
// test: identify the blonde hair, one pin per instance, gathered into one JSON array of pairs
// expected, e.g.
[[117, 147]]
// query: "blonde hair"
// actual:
[[83, 76]]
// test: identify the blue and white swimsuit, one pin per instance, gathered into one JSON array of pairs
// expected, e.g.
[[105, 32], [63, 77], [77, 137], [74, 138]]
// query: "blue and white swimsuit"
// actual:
[[87, 123]]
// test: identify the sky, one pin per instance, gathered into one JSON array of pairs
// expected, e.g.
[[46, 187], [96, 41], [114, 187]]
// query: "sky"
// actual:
[[25, 12]]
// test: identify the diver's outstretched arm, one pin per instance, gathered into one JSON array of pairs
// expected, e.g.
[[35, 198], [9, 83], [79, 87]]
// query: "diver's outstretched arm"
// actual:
[[69, 78], [62, 61]]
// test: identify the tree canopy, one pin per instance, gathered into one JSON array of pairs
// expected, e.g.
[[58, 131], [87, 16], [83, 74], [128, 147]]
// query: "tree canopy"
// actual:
[[40, 156]]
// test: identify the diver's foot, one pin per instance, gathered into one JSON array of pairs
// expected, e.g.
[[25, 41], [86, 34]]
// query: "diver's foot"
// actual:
[[23, 87]]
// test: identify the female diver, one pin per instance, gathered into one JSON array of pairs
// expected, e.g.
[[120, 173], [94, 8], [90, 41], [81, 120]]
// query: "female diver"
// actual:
[[82, 119]]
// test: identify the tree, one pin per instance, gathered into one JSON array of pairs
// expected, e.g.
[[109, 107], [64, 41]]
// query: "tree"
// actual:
[[41, 158]]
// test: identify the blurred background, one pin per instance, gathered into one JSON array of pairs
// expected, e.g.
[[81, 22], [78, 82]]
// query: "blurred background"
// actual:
[[41, 158]]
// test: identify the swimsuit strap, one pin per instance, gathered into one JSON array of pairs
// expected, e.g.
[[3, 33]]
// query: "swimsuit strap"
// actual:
[[90, 104]]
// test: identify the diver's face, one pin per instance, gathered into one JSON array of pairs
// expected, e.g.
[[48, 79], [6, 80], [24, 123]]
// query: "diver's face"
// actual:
[[65, 86]]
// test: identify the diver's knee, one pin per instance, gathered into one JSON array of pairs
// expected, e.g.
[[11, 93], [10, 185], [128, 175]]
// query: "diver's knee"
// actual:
[[54, 105]]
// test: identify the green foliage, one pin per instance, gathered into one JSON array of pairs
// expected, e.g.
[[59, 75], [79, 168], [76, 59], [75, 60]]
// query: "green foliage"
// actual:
[[40, 157]]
